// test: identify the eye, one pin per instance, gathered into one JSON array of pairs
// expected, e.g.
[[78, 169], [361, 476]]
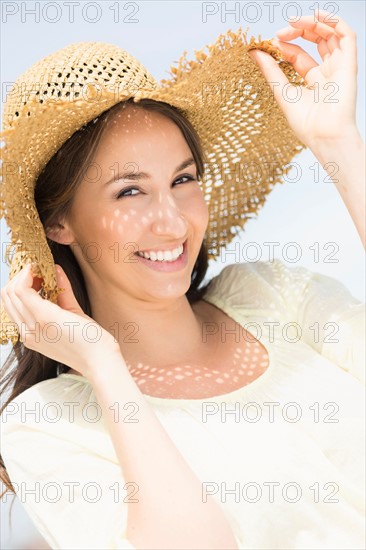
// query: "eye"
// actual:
[[124, 192], [187, 176], [190, 178]]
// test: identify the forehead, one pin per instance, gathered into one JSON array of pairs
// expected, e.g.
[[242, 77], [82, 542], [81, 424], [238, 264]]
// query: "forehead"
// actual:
[[131, 119], [134, 131]]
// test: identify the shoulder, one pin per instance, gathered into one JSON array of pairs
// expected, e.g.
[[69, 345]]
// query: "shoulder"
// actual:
[[53, 417], [51, 435], [46, 404], [259, 283], [274, 271]]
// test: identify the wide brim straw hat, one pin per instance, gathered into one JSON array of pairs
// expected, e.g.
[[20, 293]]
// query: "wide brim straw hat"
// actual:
[[246, 139]]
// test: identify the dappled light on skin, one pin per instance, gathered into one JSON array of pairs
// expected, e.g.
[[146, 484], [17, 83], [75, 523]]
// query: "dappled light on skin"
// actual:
[[187, 381], [148, 197]]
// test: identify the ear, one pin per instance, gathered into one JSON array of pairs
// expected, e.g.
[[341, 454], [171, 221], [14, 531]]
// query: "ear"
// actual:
[[60, 233]]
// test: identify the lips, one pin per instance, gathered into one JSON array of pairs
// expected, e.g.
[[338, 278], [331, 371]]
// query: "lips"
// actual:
[[167, 250], [166, 266]]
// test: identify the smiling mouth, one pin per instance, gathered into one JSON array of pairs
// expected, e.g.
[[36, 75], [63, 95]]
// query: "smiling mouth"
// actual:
[[167, 257]]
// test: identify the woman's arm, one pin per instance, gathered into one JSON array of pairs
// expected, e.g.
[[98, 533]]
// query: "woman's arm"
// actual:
[[324, 117], [169, 512], [346, 158]]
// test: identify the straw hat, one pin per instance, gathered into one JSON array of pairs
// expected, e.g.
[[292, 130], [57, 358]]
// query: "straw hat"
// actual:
[[245, 136]]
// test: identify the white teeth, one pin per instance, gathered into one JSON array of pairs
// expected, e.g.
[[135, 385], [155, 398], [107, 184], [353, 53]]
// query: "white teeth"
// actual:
[[163, 256]]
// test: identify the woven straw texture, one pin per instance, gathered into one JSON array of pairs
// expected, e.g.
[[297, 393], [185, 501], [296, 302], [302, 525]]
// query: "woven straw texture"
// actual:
[[245, 137]]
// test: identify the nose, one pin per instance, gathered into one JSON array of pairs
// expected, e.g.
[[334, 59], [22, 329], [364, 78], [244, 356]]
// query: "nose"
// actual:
[[168, 218]]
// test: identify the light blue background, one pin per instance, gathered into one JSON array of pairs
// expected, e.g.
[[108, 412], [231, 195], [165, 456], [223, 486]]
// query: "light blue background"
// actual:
[[305, 211]]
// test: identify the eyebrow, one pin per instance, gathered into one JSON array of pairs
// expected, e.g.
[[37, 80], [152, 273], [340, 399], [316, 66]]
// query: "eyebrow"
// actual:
[[144, 175]]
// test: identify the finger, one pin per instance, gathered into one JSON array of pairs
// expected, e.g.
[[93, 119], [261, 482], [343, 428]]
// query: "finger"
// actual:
[[19, 309], [340, 27], [9, 308], [15, 291], [346, 36], [320, 30], [273, 74], [14, 316], [321, 43], [24, 296], [323, 49], [301, 60], [26, 279], [35, 282], [290, 33], [333, 43], [66, 298], [308, 23]]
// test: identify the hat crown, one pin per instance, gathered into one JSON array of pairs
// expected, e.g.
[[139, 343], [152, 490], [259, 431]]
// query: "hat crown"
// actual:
[[85, 71]]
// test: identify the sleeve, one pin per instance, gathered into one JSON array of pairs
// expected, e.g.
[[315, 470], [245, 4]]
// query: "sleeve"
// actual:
[[324, 313], [74, 495], [330, 319]]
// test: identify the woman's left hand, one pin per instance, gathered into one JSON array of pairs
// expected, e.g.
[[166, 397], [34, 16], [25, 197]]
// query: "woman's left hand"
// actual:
[[327, 112]]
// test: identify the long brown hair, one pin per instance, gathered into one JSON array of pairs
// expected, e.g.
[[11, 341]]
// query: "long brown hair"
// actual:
[[54, 192]]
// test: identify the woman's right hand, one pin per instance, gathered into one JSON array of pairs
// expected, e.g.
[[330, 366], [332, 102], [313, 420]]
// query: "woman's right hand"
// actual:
[[314, 116], [61, 331]]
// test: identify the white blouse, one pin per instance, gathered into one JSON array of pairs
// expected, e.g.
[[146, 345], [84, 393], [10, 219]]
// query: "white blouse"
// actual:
[[283, 456]]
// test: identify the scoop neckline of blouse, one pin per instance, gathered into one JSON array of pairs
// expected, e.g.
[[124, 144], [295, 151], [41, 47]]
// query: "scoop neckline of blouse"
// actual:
[[263, 377]]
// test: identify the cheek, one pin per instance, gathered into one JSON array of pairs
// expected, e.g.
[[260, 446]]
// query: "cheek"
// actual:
[[116, 230], [197, 209], [102, 220], [113, 224]]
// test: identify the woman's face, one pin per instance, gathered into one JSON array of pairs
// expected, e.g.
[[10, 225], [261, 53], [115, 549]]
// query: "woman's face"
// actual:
[[109, 222]]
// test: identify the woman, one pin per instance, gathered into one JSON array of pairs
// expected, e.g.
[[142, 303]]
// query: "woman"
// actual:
[[143, 451]]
